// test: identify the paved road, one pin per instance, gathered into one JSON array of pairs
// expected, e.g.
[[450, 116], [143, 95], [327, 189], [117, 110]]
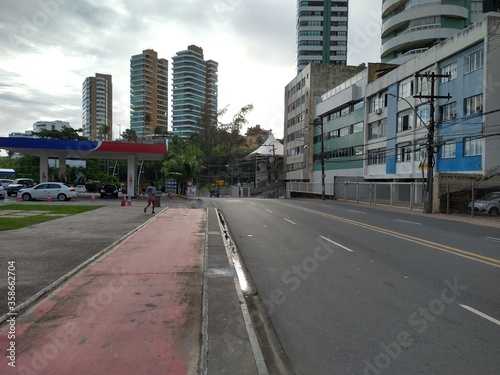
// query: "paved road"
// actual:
[[353, 290]]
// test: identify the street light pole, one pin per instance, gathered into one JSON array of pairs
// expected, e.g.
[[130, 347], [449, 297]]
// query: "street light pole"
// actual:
[[319, 122]]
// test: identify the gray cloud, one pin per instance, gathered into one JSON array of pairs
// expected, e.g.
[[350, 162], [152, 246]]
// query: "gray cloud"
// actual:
[[100, 36]]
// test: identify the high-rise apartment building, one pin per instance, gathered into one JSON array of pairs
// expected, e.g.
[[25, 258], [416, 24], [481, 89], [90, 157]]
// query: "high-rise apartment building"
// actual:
[[410, 27], [97, 107], [148, 94], [321, 32], [194, 90]]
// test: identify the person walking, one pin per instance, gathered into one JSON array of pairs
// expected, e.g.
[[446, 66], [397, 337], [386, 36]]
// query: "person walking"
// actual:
[[151, 194]]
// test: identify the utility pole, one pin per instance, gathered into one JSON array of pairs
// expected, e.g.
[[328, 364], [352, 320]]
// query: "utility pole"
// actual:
[[432, 77]]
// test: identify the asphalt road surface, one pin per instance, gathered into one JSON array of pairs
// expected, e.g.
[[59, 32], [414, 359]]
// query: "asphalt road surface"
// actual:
[[352, 289]]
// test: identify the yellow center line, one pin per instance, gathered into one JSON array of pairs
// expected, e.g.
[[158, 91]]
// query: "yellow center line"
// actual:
[[434, 245]]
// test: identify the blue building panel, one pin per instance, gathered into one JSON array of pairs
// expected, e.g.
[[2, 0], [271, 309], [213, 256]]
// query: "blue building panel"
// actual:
[[392, 127]]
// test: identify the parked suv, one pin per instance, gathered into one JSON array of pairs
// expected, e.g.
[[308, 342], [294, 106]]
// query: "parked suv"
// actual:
[[109, 190], [18, 184]]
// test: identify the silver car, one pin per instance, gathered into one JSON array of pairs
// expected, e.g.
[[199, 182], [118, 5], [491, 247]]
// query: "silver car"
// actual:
[[489, 204], [2, 192], [5, 182]]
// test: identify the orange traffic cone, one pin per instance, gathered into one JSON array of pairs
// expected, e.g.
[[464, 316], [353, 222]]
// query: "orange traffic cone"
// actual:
[[129, 202], [123, 201], [93, 198], [49, 198], [18, 198]]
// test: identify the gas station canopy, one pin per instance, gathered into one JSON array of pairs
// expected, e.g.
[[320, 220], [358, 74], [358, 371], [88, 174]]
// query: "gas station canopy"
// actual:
[[54, 148]]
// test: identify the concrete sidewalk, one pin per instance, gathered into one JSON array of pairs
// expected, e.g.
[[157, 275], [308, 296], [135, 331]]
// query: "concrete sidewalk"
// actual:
[[155, 304]]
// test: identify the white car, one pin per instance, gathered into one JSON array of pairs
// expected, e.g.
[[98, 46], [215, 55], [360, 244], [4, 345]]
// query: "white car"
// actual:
[[2, 192], [81, 188], [57, 190]]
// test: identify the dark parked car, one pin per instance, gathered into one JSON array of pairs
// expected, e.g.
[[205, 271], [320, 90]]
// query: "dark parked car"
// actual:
[[109, 190], [215, 192], [18, 184]]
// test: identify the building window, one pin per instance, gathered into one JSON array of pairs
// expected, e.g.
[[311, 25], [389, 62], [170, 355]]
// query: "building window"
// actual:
[[449, 111], [377, 129], [357, 128], [424, 86], [372, 104], [424, 115], [376, 156], [473, 105], [473, 146], [405, 121], [421, 150], [406, 88], [474, 61], [448, 151], [405, 152], [450, 69]]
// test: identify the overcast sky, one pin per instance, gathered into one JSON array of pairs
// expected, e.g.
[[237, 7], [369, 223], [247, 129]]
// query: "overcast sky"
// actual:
[[48, 48]]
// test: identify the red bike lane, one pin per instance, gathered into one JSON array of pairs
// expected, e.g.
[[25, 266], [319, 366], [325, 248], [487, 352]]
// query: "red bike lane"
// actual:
[[136, 310]]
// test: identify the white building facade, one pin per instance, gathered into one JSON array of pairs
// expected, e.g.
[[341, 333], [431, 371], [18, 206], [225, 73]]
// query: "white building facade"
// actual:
[[410, 27], [395, 111]]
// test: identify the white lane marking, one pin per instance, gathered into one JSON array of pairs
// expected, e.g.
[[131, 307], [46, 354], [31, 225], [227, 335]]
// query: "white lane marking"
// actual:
[[493, 239], [482, 315], [325, 205], [337, 244], [253, 204], [290, 221], [358, 212], [408, 222], [271, 212]]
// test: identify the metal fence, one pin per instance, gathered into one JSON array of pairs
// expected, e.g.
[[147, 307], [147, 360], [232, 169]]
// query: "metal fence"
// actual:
[[386, 193], [458, 195], [398, 194], [308, 188], [454, 194]]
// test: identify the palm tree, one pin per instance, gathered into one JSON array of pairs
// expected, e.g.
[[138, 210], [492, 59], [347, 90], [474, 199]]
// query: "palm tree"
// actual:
[[105, 131], [182, 168], [147, 122]]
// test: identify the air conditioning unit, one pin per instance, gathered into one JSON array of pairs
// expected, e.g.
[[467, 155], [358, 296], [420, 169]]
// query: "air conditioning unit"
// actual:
[[479, 108], [378, 111]]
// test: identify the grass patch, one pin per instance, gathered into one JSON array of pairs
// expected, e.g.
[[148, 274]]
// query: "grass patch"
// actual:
[[9, 223]]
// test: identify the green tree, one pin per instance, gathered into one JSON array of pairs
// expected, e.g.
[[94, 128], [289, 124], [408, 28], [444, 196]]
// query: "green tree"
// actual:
[[182, 168], [130, 135], [65, 133], [230, 133], [208, 136], [147, 125], [105, 132]]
